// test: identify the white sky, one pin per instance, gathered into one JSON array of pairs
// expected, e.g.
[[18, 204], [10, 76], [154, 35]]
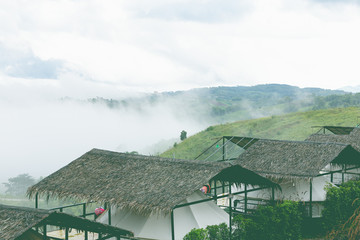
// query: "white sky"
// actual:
[[86, 48], [96, 47]]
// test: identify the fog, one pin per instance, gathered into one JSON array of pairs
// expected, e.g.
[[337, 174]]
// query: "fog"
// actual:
[[40, 136]]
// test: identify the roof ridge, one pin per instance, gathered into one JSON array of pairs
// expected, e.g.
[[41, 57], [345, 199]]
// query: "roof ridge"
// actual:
[[290, 141], [152, 157]]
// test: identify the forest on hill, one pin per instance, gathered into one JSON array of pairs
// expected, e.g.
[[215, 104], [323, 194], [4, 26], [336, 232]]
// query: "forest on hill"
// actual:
[[228, 104]]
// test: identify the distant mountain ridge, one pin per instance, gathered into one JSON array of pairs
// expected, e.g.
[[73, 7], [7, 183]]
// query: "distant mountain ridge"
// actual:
[[227, 104]]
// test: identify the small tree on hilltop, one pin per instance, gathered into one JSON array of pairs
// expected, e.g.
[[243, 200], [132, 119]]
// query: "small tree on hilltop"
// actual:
[[183, 135]]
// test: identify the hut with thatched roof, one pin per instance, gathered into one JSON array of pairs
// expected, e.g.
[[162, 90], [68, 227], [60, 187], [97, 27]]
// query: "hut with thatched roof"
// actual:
[[352, 138], [146, 189], [20, 223], [337, 130], [344, 135], [298, 166]]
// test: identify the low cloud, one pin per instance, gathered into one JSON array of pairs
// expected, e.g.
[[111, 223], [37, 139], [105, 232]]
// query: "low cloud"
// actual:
[[39, 137]]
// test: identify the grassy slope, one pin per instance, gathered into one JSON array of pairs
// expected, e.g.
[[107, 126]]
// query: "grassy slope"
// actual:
[[294, 126]]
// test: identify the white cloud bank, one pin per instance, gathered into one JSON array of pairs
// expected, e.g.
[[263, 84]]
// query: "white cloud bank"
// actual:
[[38, 138]]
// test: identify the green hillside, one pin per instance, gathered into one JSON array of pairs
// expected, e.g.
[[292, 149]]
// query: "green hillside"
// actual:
[[293, 126]]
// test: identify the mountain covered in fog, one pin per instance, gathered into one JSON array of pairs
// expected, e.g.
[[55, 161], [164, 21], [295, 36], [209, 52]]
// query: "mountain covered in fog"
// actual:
[[227, 104], [147, 123], [151, 123]]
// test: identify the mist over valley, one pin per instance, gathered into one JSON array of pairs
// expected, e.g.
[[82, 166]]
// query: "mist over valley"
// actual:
[[39, 136]]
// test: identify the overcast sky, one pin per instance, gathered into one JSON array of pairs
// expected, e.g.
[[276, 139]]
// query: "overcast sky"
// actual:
[[96, 47], [86, 48]]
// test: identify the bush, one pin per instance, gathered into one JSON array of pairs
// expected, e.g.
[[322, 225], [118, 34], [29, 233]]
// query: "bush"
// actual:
[[218, 232], [282, 221], [213, 232], [197, 234], [338, 205]]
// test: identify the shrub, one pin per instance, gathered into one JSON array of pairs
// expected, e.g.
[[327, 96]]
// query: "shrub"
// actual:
[[218, 232], [213, 232], [197, 234], [282, 221], [338, 205]]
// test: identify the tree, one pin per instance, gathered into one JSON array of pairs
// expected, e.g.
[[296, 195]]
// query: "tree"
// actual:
[[18, 185], [183, 135]]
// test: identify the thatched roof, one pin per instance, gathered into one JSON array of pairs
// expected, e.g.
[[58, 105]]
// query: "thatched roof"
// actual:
[[337, 130], [295, 159], [16, 221], [140, 183], [244, 142], [353, 138]]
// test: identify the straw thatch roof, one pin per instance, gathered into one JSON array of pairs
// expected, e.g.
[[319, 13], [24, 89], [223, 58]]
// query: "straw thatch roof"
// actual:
[[295, 159], [17, 221], [353, 138], [244, 142], [337, 130], [140, 183]]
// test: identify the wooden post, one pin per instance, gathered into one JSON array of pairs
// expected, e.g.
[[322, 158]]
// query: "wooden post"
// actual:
[[45, 233], [331, 177], [66, 233], [343, 174], [37, 200], [215, 193], [246, 200], [84, 210], [172, 225], [273, 196], [109, 214], [310, 207], [230, 211], [37, 206], [223, 149]]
